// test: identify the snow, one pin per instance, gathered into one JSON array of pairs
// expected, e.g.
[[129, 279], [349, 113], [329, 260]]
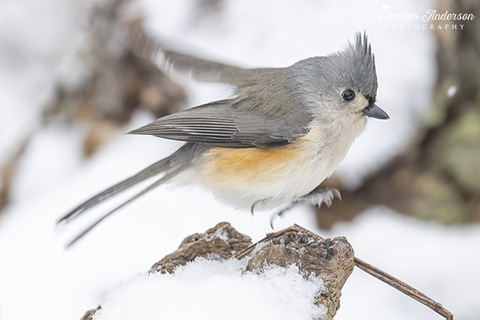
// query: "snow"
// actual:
[[39, 279], [219, 289]]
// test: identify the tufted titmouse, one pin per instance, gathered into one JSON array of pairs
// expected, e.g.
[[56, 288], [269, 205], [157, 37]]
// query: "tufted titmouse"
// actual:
[[283, 132]]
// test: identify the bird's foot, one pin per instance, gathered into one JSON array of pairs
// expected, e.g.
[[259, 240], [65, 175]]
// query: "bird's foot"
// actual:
[[320, 196], [317, 198]]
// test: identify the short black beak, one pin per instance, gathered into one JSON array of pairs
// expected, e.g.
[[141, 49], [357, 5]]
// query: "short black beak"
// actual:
[[374, 111]]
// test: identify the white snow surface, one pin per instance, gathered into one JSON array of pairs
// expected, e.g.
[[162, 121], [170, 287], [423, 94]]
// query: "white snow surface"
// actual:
[[39, 279], [276, 293]]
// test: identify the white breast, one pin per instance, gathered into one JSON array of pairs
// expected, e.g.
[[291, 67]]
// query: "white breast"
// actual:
[[272, 183]]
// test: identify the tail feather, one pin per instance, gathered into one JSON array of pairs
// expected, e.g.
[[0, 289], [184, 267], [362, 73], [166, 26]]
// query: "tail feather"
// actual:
[[153, 170], [163, 179]]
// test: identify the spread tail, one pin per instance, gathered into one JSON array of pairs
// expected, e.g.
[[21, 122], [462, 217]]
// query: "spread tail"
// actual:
[[141, 193], [151, 171]]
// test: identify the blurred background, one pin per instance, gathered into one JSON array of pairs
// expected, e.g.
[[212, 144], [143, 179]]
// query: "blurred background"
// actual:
[[70, 88]]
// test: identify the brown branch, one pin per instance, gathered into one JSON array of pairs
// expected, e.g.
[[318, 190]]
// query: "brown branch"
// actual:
[[404, 288], [373, 271]]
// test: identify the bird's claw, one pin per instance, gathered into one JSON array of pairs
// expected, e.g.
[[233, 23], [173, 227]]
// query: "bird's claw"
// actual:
[[325, 195]]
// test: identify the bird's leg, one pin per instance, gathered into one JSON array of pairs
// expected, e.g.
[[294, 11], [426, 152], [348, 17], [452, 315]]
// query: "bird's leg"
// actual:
[[316, 198], [279, 213]]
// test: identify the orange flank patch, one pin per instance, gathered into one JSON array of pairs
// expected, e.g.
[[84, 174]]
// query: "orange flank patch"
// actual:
[[232, 165]]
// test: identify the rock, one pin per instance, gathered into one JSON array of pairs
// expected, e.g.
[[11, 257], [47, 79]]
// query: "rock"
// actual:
[[89, 314], [221, 241], [331, 259]]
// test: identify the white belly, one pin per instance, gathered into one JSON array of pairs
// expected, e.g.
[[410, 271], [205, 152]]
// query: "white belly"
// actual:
[[276, 176]]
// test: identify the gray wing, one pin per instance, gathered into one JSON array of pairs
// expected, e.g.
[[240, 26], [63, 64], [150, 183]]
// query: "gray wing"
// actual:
[[173, 62], [220, 125], [263, 113]]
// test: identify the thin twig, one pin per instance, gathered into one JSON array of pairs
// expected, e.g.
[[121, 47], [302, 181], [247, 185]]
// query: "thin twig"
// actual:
[[404, 288], [373, 271], [269, 237]]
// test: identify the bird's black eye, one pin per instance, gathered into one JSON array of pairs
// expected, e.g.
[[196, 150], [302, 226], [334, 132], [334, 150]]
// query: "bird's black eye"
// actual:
[[348, 95]]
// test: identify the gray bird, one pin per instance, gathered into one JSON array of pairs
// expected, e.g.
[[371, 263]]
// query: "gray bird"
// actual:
[[282, 133]]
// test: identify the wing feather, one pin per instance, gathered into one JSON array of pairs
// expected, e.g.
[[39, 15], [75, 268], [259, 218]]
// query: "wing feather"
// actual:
[[214, 124], [174, 62], [264, 112]]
